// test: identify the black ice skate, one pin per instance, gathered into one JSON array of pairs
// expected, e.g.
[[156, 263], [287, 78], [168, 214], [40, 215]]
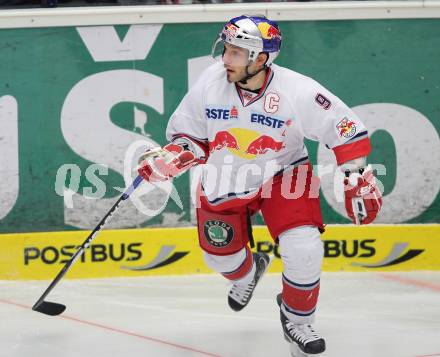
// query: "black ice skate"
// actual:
[[303, 338], [240, 295]]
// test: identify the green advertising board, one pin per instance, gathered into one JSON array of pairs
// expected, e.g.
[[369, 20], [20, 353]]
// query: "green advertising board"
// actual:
[[73, 100]]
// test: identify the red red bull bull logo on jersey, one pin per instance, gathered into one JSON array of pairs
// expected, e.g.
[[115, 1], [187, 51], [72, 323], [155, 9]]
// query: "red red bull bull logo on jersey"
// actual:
[[346, 128], [245, 143], [223, 139], [264, 143]]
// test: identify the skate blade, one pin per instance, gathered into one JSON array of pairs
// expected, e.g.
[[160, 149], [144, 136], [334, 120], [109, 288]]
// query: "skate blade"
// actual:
[[295, 351], [271, 258]]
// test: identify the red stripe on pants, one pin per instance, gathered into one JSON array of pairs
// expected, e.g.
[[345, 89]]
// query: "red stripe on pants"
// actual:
[[243, 269], [298, 299]]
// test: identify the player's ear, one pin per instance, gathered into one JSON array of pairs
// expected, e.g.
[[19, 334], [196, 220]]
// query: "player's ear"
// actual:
[[262, 59]]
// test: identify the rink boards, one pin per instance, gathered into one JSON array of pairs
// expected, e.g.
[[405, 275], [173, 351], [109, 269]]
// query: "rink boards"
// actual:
[[175, 251]]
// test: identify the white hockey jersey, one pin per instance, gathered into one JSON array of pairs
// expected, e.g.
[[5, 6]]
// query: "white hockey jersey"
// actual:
[[253, 136]]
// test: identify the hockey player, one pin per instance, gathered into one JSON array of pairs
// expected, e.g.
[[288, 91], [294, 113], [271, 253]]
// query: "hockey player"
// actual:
[[243, 113]]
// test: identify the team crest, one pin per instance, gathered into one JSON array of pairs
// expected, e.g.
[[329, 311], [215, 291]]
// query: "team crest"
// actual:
[[218, 233], [346, 128]]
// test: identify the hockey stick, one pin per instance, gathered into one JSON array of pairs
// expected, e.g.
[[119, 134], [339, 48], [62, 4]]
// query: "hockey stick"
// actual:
[[53, 308]]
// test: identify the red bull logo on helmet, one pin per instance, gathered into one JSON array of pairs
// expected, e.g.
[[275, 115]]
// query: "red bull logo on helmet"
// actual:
[[268, 31], [346, 128]]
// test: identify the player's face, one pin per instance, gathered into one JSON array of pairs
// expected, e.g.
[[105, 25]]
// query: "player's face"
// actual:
[[235, 60]]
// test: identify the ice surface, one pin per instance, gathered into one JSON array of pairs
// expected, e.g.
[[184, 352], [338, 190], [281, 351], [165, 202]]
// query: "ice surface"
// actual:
[[359, 314]]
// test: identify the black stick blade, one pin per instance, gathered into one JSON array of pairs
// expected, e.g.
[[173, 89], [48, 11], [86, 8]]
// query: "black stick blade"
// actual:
[[49, 308]]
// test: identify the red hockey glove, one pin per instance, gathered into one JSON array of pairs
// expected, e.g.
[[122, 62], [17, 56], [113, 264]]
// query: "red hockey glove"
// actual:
[[161, 164], [362, 196]]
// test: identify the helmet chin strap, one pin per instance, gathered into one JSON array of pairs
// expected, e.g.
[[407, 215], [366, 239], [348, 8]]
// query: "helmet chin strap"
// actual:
[[250, 75]]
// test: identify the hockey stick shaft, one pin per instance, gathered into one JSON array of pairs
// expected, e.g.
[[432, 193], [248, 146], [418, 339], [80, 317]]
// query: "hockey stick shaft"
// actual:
[[88, 241]]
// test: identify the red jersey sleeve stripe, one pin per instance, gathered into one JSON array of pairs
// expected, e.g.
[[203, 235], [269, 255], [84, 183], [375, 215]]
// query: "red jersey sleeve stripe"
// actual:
[[351, 151]]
